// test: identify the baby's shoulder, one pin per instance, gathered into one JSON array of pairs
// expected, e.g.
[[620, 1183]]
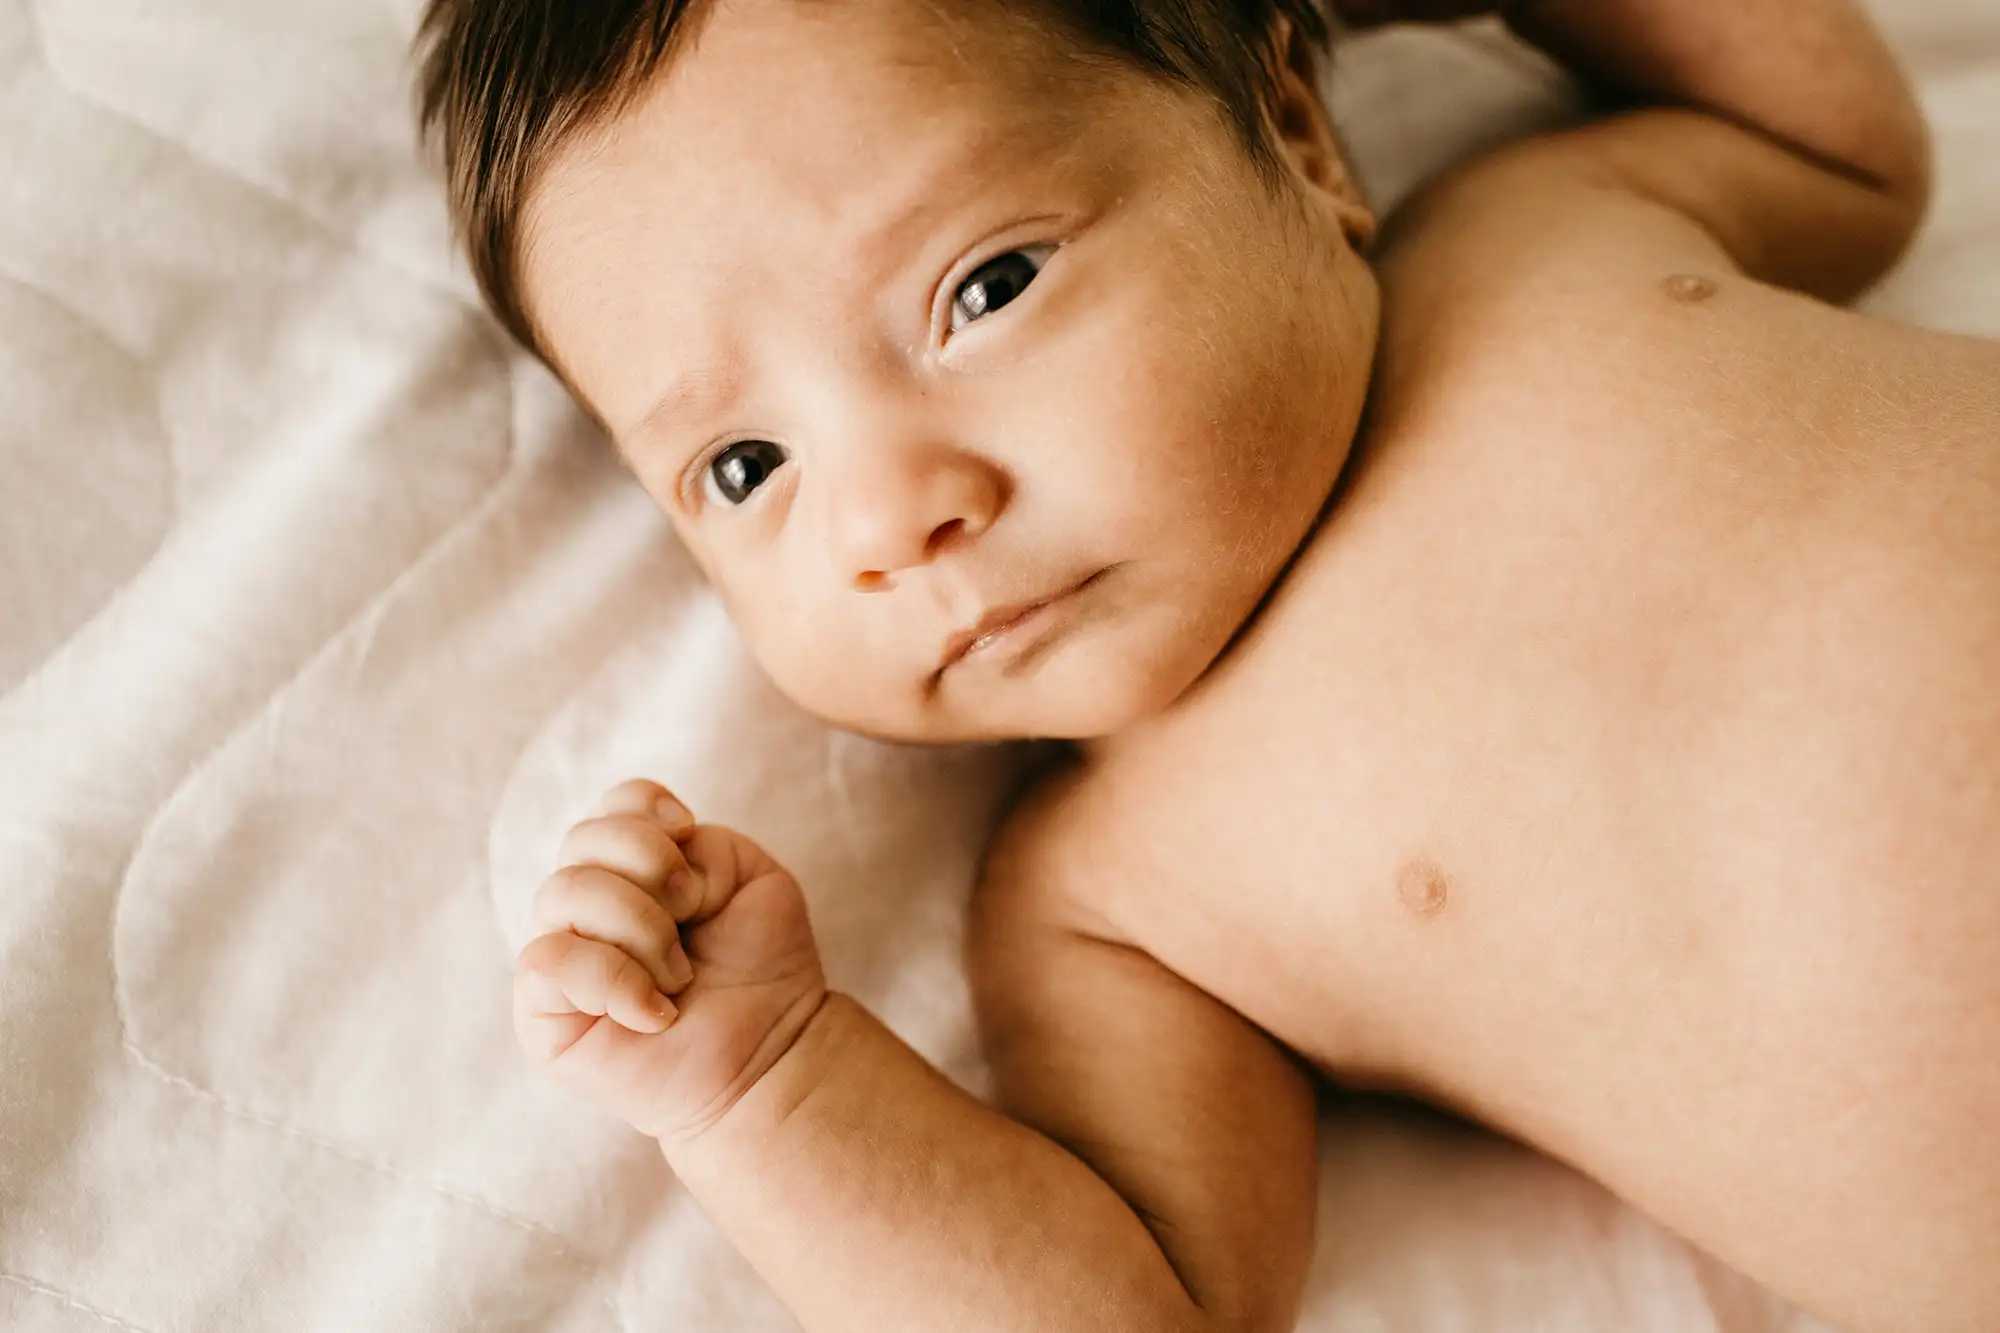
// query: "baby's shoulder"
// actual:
[[1523, 282], [1079, 829], [1534, 250]]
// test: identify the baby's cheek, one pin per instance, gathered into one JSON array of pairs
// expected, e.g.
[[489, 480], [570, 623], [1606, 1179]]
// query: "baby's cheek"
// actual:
[[816, 663]]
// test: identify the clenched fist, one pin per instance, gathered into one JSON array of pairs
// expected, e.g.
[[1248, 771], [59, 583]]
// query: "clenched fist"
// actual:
[[672, 966]]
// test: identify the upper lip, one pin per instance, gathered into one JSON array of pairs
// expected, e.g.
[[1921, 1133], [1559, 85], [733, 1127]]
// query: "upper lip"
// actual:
[[995, 620]]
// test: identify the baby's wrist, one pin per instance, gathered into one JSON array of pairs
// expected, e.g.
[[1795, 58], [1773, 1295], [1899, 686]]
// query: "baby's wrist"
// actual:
[[790, 1065]]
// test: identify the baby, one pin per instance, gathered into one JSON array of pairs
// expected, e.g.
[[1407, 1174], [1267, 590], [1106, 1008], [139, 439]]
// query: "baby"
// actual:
[[1543, 658]]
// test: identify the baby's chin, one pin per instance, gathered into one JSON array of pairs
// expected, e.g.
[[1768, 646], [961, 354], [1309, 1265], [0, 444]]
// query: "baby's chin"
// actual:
[[1093, 700], [1091, 693]]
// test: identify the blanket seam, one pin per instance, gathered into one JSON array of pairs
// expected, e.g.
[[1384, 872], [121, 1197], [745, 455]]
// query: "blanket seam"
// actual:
[[375, 606], [64, 1298], [299, 212], [433, 1183]]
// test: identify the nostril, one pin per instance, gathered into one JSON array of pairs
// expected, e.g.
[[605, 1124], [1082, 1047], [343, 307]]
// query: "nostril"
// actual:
[[871, 580], [946, 534]]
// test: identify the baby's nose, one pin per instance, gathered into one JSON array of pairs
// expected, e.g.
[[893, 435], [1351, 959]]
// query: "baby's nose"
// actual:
[[907, 511]]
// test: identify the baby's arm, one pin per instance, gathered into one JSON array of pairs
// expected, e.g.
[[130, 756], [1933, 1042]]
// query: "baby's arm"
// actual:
[[1174, 1196], [872, 1193], [1783, 127]]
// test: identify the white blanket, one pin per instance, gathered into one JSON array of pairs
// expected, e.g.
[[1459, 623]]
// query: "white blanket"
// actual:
[[322, 613]]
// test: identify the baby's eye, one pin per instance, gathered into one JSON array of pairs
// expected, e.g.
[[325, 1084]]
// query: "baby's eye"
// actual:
[[996, 283], [742, 468]]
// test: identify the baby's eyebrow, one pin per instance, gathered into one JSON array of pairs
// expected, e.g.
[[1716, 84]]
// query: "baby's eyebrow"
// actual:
[[701, 392], [935, 185], [927, 191]]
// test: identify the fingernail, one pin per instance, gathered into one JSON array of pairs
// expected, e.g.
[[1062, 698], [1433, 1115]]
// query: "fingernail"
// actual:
[[679, 970], [672, 814], [662, 1008]]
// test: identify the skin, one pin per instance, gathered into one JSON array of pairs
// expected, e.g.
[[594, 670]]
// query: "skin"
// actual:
[[935, 476], [1597, 739]]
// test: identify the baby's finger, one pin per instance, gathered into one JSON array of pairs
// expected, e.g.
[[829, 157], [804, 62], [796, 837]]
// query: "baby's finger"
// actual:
[[644, 797], [720, 862], [634, 846], [562, 981], [604, 906]]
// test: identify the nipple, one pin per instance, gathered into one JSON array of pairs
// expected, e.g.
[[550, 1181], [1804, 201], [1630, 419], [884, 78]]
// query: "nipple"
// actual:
[[1423, 888], [1688, 288]]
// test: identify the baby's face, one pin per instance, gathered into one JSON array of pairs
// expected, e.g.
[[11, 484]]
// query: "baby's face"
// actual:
[[912, 321]]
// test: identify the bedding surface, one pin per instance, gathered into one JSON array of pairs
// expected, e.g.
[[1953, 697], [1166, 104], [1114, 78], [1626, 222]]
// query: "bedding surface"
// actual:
[[323, 613]]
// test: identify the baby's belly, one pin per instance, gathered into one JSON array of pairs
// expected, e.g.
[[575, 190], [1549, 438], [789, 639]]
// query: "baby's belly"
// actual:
[[1775, 1029], [1773, 920], [1756, 993]]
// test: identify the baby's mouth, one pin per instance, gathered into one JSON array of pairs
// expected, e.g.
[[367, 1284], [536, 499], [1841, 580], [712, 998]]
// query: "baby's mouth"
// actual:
[[1008, 628]]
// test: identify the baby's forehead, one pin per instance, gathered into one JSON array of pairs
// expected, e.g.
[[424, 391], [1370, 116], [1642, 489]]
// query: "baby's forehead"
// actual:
[[520, 91], [831, 112], [720, 188]]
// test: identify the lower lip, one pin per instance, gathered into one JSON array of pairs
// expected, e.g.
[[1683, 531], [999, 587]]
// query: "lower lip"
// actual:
[[1017, 636]]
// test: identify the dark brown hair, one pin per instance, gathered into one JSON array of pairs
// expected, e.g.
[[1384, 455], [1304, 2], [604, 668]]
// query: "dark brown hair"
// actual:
[[502, 82]]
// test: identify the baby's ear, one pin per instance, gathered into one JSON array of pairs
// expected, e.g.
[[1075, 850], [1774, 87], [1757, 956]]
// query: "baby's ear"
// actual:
[[1303, 133]]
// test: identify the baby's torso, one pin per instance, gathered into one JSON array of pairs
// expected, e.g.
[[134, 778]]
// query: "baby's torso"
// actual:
[[1620, 764]]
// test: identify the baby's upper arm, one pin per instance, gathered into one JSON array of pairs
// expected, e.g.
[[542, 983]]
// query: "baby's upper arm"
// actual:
[[1199, 1121]]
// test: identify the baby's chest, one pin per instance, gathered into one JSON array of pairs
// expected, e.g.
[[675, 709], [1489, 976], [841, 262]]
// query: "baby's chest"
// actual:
[[1468, 920], [1334, 918]]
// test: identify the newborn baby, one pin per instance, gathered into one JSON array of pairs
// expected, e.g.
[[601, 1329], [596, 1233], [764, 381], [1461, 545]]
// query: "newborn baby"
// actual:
[[1543, 658]]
